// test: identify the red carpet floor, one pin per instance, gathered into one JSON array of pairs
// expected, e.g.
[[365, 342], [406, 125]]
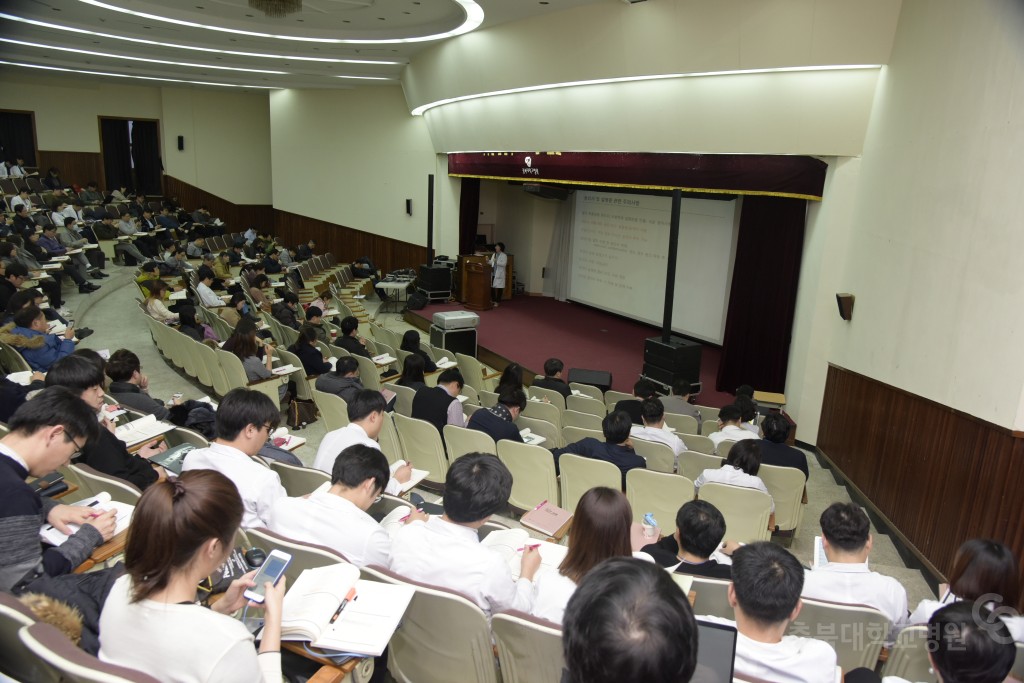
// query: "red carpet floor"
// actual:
[[530, 330]]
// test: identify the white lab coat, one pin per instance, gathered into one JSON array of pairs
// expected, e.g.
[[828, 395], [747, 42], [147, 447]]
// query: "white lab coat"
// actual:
[[498, 263]]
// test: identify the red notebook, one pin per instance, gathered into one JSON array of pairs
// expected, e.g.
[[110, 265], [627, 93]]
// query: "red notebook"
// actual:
[[546, 518]]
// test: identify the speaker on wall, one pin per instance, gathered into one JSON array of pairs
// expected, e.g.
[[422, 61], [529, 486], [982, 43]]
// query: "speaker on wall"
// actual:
[[845, 303], [181, 143], [408, 206]]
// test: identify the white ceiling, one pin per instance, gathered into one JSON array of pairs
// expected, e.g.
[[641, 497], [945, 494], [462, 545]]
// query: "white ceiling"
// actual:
[[199, 37]]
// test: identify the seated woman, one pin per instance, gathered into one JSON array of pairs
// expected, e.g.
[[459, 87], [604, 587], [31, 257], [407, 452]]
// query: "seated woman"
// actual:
[[192, 328], [260, 283], [236, 308], [246, 345], [155, 301], [739, 469], [181, 532], [411, 343], [412, 373], [511, 377], [600, 530], [313, 360], [983, 570]]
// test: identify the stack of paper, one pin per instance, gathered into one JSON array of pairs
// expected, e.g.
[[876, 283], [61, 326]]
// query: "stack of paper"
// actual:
[[285, 370], [444, 363], [102, 503]]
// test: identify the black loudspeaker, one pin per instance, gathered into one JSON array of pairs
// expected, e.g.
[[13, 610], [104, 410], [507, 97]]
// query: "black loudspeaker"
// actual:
[[435, 278], [845, 302], [417, 301], [408, 206], [595, 378], [181, 143], [669, 362]]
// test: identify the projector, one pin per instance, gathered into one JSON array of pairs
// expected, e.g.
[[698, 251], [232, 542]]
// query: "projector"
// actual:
[[456, 320]]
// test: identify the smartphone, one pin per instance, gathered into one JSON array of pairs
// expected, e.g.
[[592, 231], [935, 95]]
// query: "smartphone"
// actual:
[[271, 570]]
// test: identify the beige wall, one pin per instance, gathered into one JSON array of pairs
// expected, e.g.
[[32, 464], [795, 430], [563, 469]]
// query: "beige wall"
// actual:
[[525, 224]]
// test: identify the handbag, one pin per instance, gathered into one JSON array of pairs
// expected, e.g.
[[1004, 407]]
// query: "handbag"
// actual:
[[301, 413]]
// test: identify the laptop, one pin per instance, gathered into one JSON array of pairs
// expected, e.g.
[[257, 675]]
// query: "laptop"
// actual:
[[716, 653]]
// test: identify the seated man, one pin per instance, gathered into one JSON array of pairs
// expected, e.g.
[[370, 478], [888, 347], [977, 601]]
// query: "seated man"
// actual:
[[729, 427], [176, 260], [49, 243], [846, 578], [616, 447], [144, 243], [335, 516], [14, 277], [445, 551], [28, 334], [284, 310], [315, 319], [652, 412], [45, 433], [644, 388], [206, 295], [498, 421], [235, 254], [365, 420], [350, 339], [71, 239], [245, 419], [131, 388], [83, 374], [272, 263], [679, 402], [553, 378], [166, 219], [774, 450], [343, 381], [222, 266], [628, 621], [700, 528], [197, 247], [304, 252], [440, 405], [765, 595]]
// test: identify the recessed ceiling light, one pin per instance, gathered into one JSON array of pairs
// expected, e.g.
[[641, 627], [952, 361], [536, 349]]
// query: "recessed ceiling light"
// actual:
[[366, 78], [143, 78]]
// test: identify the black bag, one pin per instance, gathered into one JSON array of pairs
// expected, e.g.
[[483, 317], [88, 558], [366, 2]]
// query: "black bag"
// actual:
[[417, 301], [235, 567], [96, 258], [301, 413]]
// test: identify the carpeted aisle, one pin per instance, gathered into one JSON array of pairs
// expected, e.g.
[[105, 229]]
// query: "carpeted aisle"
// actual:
[[532, 329]]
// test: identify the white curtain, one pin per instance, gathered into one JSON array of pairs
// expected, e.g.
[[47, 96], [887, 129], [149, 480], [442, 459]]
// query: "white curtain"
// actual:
[[558, 268]]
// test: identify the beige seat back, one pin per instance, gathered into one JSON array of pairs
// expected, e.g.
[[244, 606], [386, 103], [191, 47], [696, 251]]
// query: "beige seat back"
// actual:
[[544, 411], [908, 657], [707, 413], [19, 663], [533, 474], [421, 445], [692, 464], [555, 398], [709, 427], [698, 443], [304, 555], [390, 444], [97, 482], [723, 448], [574, 434], [659, 456], [552, 435], [746, 510], [303, 387], [683, 424], [658, 493], [333, 409], [488, 399], [574, 418], [578, 475], [369, 373], [587, 390], [299, 481], [856, 632], [585, 404], [403, 404], [529, 649], [460, 441], [613, 397], [712, 597], [472, 372], [69, 663], [786, 484]]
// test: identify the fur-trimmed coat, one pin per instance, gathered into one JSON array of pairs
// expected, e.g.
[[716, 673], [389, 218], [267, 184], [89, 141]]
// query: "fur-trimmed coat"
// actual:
[[39, 349]]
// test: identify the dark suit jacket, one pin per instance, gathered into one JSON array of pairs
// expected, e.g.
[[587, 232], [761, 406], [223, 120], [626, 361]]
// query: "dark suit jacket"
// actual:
[[271, 266], [487, 422], [781, 455], [623, 457], [554, 384], [352, 345], [284, 315], [631, 406], [665, 553], [312, 358]]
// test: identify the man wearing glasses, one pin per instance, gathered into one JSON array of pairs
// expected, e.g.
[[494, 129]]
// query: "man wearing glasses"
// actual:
[[336, 515], [45, 433], [245, 419]]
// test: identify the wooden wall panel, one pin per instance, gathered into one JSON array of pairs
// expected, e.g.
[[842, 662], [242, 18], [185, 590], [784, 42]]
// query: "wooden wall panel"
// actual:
[[348, 244], [75, 167], [939, 475], [238, 217]]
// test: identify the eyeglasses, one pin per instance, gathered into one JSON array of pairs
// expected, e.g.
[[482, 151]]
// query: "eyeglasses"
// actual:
[[379, 498], [78, 449]]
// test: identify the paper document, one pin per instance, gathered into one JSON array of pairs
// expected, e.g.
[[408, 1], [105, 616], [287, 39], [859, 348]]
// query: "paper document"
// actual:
[[444, 363], [143, 429], [531, 438], [178, 296], [509, 543], [285, 369], [384, 359], [24, 378], [416, 478], [102, 503]]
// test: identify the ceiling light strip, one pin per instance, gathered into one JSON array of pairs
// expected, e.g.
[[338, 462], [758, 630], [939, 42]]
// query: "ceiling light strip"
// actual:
[[474, 17], [143, 78], [138, 59], [419, 111], [177, 46]]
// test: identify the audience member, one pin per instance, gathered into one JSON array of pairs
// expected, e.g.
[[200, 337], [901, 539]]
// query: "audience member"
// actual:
[[765, 595], [284, 310], [206, 296], [315, 320], [846, 578], [700, 529], [440, 405], [245, 344], [28, 334], [182, 531], [652, 412], [600, 529], [197, 247], [412, 373], [272, 263], [748, 414], [258, 283], [304, 252], [83, 374], [445, 550], [314, 362], [616, 447], [350, 339], [245, 419], [730, 427], [511, 378], [411, 343], [628, 621], [45, 433], [343, 381], [498, 421], [336, 516], [774, 450], [176, 260], [15, 275], [553, 378], [739, 469], [13, 395], [130, 387], [644, 388], [71, 239], [679, 402], [190, 327], [155, 301]]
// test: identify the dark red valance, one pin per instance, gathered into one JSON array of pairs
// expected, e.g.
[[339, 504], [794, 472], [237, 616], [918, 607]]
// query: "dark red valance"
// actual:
[[798, 177]]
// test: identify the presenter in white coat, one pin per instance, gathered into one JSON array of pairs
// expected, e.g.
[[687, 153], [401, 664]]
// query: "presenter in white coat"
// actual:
[[499, 261]]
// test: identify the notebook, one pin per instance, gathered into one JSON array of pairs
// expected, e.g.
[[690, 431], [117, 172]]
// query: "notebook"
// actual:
[[285, 369], [546, 518], [363, 627], [173, 459], [143, 429], [416, 477], [820, 559], [509, 543], [102, 503], [444, 363], [531, 438], [716, 652]]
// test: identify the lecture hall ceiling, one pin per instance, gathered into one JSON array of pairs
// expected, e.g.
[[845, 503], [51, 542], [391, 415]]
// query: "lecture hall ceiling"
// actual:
[[324, 44]]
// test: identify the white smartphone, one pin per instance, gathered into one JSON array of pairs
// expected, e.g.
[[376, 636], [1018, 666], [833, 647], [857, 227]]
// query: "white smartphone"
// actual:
[[271, 570]]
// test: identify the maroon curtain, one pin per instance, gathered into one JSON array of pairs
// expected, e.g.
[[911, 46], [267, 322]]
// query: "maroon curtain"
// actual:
[[762, 302], [469, 213]]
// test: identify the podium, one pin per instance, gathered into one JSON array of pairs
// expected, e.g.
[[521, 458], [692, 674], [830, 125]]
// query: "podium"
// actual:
[[476, 283]]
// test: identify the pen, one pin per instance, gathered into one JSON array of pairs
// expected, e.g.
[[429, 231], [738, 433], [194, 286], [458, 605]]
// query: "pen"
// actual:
[[531, 547], [351, 595], [409, 515], [542, 504]]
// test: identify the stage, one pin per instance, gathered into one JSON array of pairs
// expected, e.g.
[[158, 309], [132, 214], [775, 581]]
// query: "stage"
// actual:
[[531, 329]]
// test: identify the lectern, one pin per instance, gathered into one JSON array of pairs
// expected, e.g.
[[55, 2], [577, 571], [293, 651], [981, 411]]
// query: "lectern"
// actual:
[[477, 285]]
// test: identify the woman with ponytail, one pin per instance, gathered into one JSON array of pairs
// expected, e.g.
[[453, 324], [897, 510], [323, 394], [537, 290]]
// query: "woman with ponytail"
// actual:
[[182, 531]]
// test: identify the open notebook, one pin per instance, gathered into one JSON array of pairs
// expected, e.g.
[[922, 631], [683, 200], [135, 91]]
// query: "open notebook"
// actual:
[[509, 543], [102, 503], [143, 429]]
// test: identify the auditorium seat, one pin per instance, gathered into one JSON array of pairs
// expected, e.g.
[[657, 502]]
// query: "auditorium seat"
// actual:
[[692, 463], [533, 474], [659, 457], [613, 397], [698, 443], [19, 663], [579, 474], [421, 445], [94, 483], [746, 510], [540, 393], [585, 404], [529, 648], [299, 481], [390, 444], [856, 632], [574, 434], [69, 663], [786, 486], [552, 435], [587, 390], [658, 493], [723, 448], [682, 424], [460, 441], [574, 418], [544, 411], [304, 555]]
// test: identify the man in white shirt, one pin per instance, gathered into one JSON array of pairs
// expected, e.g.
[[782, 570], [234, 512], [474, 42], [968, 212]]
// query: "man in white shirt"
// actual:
[[652, 412], [445, 550], [765, 595], [245, 419], [365, 420], [730, 427], [846, 578], [17, 169], [21, 198], [206, 295], [335, 515]]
